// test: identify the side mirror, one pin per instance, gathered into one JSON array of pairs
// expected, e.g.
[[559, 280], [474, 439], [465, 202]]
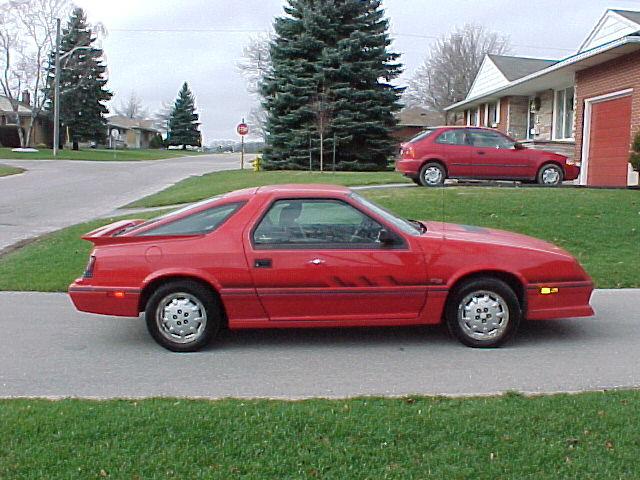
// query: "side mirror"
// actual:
[[385, 237], [519, 146]]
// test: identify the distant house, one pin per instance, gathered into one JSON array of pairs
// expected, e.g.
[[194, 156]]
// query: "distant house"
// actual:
[[586, 106], [412, 120], [124, 132], [41, 132]]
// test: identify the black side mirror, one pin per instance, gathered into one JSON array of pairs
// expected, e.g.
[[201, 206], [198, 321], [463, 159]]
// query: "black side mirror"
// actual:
[[519, 146], [386, 238]]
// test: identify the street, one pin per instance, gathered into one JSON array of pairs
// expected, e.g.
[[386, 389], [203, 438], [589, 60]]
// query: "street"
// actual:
[[51, 350]]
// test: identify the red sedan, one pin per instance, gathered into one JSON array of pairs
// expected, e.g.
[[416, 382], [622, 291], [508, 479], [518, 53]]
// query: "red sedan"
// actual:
[[321, 256], [482, 153]]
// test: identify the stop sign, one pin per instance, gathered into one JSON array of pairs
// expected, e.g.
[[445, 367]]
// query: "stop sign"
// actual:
[[242, 129]]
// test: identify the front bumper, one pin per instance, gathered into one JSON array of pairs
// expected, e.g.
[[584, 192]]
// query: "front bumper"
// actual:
[[118, 301], [570, 300], [571, 172]]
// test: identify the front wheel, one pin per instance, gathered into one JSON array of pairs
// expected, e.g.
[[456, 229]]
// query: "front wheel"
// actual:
[[182, 316], [550, 174], [432, 175], [483, 313]]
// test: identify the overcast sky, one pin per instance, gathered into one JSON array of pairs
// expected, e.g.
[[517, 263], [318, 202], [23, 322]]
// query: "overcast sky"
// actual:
[[153, 46]]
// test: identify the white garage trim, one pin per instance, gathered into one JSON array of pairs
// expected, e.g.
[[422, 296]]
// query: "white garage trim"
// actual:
[[586, 131]]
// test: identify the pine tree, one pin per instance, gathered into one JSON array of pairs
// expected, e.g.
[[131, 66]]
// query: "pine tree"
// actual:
[[330, 78], [183, 122], [82, 82]]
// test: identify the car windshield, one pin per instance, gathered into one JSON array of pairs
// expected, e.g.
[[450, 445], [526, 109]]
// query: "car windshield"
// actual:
[[412, 228], [423, 134]]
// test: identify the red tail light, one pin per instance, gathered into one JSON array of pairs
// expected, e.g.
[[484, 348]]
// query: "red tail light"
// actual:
[[408, 152]]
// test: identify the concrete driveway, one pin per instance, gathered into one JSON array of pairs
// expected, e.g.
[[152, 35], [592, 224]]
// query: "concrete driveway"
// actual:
[[50, 349], [55, 194]]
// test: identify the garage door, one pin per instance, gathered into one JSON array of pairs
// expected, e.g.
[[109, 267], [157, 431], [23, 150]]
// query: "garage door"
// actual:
[[609, 139]]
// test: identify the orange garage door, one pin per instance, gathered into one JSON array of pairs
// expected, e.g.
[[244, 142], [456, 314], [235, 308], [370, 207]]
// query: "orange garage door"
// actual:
[[609, 142]]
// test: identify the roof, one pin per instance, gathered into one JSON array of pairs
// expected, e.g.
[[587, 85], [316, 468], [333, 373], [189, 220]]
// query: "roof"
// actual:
[[629, 15], [6, 106], [303, 189], [517, 67], [418, 117], [121, 121]]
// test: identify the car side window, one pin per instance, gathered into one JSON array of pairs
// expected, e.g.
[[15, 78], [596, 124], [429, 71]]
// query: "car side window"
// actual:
[[454, 136], [487, 138], [200, 222], [316, 223]]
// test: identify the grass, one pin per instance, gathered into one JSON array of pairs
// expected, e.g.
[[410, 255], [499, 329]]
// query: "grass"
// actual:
[[600, 227], [6, 170], [197, 188], [585, 436], [96, 154]]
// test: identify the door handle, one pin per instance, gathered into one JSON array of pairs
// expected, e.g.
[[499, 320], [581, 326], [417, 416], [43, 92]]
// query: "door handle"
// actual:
[[262, 263], [316, 261], [480, 152]]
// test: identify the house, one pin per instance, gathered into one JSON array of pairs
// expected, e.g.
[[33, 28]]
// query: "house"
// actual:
[[586, 106], [41, 132], [412, 120], [125, 132]]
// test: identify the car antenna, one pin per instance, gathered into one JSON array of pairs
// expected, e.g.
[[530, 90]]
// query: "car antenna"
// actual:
[[444, 236]]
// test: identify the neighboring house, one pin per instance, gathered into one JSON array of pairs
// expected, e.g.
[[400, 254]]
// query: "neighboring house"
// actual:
[[412, 120], [124, 132], [586, 106], [41, 133]]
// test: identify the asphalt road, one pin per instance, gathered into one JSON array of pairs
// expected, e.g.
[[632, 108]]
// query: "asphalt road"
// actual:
[[53, 194], [49, 349]]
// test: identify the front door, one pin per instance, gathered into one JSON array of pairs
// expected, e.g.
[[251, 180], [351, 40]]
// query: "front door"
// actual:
[[320, 259], [495, 156]]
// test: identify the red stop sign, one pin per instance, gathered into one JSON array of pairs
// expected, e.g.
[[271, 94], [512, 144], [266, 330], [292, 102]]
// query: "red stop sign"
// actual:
[[242, 129]]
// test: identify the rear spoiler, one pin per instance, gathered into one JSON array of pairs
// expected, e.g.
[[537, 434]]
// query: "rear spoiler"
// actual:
[[106, 234]]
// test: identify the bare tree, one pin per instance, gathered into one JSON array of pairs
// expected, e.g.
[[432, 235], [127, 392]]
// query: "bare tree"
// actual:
[[162, 115], [132, 108], [447, 73], [27, 35], [254, 66]]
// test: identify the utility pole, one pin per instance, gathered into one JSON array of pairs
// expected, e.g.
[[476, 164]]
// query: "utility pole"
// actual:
[[56, 94]]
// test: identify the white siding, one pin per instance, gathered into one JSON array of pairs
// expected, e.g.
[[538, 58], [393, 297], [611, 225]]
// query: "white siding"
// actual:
[[488, 79], [611, 27]]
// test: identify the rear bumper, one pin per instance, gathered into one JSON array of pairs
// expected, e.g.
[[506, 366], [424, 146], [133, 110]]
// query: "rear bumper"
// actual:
[[571, 300], [408, 167], [121, 302]]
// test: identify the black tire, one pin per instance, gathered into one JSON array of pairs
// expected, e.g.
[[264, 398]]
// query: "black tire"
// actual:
[[432, 174], [183, 316], [416, 181], [496, 319], [550, 174]]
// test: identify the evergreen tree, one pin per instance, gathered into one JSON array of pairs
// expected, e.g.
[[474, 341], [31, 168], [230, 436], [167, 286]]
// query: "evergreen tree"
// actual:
[[82, 82], [330, 77], [183, 122]]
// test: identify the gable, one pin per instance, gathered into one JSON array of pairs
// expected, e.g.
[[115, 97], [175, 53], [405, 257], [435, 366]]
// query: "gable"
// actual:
[[612, 26], [489, 78]]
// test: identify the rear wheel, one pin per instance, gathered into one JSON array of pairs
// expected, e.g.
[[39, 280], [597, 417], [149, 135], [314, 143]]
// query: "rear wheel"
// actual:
[[483, 312], [182, 316], [432, 175], [550, 174]]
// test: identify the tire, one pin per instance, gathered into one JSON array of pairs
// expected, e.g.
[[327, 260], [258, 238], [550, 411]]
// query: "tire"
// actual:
[[495, 319], [550, 174], [416, 181], [432, 175], [183, 316]]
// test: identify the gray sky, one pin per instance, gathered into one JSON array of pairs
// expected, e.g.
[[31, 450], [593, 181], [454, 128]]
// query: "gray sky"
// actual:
[[153, 46]]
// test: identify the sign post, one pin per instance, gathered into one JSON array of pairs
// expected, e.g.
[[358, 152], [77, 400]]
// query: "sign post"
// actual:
[[242, 130]]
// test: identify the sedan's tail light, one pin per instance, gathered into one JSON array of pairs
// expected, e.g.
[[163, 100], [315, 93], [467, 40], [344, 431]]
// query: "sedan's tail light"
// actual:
[[88, 270], [408, 152]]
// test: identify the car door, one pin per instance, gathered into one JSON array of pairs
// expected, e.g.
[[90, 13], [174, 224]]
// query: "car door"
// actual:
[[456, 151], [495, 156], [321, 259]]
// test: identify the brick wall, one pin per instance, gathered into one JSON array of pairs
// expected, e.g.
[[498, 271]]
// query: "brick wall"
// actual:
[[517, 117], [609, 77]]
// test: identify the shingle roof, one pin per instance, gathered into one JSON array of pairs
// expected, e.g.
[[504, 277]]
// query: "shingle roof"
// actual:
[[630, 15], [5, 106], [131, 123], [418, 117], [518, 67]]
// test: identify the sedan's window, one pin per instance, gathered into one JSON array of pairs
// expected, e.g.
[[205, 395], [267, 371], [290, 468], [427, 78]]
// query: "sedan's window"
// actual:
[[316, 223], [487, 138], [423, 134], [456, 136], [200, 222]]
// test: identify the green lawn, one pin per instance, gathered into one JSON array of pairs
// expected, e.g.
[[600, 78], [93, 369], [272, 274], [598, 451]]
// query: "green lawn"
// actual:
[[600, 227], [196, 188], [583, 436], [6, 170], [91, 154]]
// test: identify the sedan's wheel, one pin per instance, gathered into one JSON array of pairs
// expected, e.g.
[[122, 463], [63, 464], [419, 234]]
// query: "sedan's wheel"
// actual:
[[483, 312], [432, 175], [182, 316], [550, 174]]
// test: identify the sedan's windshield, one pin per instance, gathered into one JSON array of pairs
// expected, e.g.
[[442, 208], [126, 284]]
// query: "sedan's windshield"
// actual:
[[412, 228]]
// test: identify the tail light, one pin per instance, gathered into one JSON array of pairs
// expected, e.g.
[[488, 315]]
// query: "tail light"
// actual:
[[408, 152], [88, 271]]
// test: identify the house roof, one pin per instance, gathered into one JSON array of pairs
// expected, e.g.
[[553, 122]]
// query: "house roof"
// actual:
[[127, 123], [613, 24], [7, 107], [630, 15], [517, 67], [418, 117]]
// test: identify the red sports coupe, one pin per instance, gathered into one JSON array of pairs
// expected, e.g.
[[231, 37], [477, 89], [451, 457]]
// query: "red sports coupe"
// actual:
[[439, 153], [322, 256]]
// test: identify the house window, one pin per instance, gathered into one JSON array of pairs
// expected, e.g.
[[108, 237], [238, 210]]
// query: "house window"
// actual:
[[473, 116], [493, 114], [563, 114], [531, 119]]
